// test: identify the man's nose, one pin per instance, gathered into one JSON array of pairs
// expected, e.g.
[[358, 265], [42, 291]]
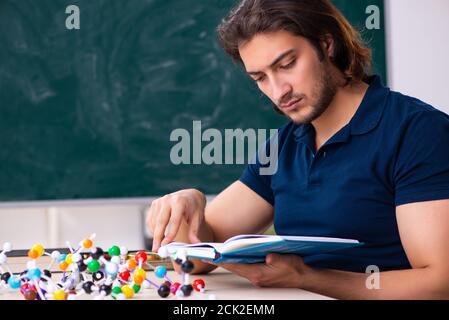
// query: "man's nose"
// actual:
[[281, 90]]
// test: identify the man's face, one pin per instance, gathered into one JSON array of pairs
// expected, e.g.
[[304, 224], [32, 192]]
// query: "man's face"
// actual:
[[288, 70]]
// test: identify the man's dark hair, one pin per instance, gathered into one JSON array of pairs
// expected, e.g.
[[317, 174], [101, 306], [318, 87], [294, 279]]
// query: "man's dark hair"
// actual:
[[311, 19]]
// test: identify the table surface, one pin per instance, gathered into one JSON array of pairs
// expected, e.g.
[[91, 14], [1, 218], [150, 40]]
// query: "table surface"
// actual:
[[220, 284]]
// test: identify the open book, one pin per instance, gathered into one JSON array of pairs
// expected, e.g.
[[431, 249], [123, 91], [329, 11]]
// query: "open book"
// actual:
[[254, 248]]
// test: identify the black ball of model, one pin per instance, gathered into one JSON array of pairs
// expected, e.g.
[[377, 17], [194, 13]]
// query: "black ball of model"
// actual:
[[97, 276], [81, 266], [164, 291], [5, 277], [187, 289], [47, 273], [187, 266], [87, 287], [107, 289], [96, 253]]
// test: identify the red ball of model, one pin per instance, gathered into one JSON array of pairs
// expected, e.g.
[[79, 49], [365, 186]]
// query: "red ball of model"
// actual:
[[27, 287], [141, 257], [198, 285], [124, 275]]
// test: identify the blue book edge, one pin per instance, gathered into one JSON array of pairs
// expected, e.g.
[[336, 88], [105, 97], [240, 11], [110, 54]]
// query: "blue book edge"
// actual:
[[239, 256]]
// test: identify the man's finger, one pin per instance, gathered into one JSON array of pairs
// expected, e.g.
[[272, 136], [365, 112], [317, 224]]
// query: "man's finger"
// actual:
[[154, 210], [177, 213], [194, 227], [161, 223], [272, 259]]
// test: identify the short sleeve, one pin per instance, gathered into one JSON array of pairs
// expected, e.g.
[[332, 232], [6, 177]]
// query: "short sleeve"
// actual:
[[422, 164], [259, 184], [257, 175]]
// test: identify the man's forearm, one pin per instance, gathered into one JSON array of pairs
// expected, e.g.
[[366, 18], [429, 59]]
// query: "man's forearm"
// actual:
[[403, 284]]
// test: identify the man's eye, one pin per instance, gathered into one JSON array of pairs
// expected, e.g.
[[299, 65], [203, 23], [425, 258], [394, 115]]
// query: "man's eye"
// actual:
[[289, 65], [260, 79]]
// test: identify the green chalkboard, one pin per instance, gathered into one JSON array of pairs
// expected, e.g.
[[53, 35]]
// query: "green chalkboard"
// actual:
[[88, 113]]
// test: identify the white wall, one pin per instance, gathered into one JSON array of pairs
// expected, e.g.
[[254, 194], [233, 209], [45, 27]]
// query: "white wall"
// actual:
[[52, 223], [418, 49], [116, 222]]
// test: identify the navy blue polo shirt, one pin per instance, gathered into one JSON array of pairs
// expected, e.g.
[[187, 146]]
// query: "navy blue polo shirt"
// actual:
[[394, 151]]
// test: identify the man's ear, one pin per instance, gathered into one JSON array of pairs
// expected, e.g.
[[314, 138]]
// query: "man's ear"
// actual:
[[328, 45]]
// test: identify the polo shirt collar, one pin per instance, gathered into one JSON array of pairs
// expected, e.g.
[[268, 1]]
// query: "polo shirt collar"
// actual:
[[365, 119], [371, 109]]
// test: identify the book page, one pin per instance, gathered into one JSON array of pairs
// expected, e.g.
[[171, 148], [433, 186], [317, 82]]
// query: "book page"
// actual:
[[203, 249], [245, 241], [251, 236]]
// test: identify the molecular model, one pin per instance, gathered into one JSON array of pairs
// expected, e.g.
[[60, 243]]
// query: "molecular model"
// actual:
[[90, 273]]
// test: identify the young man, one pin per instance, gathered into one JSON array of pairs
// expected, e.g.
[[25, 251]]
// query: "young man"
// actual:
[[356, 161]]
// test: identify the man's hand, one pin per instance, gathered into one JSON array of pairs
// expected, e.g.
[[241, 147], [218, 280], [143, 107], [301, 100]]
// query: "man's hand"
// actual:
[[280, 271], [170, 210]]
